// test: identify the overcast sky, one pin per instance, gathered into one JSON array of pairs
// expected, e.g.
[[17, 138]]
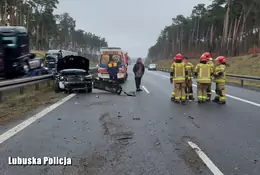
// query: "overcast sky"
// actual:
[[133, 25]]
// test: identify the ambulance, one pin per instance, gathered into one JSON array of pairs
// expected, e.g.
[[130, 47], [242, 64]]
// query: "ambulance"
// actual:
[[119, 56]]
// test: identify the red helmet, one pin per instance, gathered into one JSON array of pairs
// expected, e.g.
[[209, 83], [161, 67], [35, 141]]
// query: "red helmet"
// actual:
[[221, 59], [178, 56], [207, 54], [203, 58]]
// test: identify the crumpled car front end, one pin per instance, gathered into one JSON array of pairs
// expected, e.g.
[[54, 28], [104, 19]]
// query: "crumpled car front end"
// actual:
[[73, 74], [75, 80]]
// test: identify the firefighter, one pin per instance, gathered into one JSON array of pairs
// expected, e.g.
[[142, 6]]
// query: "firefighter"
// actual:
[[203, 72], [210, 62], [220, 80], [177, 75], [112, 70], [188, 81], [173, 91]]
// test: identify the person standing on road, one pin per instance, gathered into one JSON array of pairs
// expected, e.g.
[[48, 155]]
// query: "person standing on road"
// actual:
[[210, 62], [177, 74], [203, 72], [138, 70], [220, 80], [173, 91], [112, 70], [188, 81]]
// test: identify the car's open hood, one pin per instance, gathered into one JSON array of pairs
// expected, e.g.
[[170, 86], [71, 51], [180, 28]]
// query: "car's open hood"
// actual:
[[73, 62], [73, 72]]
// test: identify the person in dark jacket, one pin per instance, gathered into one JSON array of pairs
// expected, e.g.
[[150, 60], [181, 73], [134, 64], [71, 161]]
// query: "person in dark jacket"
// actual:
[[112, 70], [139, 72]]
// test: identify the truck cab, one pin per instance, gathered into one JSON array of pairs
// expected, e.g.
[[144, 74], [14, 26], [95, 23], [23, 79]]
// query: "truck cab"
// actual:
[[15, 57]]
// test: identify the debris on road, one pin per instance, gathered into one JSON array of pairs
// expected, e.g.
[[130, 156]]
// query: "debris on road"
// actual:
[[118, 115], [158, 143], [136, 118], [125, 138], [191, 117], [58, 118], [85, 122]]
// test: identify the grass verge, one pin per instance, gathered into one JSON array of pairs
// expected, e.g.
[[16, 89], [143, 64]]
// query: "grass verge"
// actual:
[[16, 106], [241, 65]]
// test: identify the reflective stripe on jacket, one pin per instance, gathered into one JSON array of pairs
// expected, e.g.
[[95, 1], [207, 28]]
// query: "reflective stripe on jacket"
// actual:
[[112, 69], [112, 65], [204, 71], [178, 72], [220, 78]]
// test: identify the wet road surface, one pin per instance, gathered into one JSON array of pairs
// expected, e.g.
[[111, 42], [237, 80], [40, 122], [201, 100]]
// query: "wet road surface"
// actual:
[[106, 134]]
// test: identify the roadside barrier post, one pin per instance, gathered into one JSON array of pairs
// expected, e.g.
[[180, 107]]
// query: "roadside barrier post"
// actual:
[[37, 86], [1, 97], [242, 83], [48, 83], [21, 90]]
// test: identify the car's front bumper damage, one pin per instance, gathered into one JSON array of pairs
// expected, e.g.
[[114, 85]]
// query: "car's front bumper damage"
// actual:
[[75, 85]]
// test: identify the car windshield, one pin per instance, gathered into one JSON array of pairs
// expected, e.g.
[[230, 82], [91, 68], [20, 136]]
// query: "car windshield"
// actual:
[[106, 58], [10, 38], [152, 65]]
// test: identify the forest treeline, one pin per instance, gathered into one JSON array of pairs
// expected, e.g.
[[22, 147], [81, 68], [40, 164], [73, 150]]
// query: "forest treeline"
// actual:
[[226, 27], [48, 30]]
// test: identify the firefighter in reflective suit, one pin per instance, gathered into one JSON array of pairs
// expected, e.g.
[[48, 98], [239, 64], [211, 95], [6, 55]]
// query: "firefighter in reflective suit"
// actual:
[[188, 80], [177, 75], [173, 91], [220, 80], [210, 62], [203, 72]]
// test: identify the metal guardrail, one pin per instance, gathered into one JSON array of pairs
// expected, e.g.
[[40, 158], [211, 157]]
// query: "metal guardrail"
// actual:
[[21, 82], [9, 83], [242, 78]]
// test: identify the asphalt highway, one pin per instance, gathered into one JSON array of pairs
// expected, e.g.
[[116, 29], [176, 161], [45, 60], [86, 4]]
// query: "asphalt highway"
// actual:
[[148, 134]]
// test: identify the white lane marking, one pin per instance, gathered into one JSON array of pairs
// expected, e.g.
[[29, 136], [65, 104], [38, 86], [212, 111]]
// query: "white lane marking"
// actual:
[[213, 168], [165, 76], [146, 90], [24, 124], [230, 96]]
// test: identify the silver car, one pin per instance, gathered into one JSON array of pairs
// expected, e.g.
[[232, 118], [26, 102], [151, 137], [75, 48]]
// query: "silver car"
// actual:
[[36, 63], [152, 67]]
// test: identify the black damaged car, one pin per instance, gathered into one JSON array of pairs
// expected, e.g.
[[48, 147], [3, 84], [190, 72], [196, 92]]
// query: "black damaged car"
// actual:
[[73, 74]]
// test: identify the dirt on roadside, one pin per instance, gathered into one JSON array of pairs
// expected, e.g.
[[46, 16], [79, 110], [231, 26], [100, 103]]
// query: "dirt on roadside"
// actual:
[[16, 106]]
